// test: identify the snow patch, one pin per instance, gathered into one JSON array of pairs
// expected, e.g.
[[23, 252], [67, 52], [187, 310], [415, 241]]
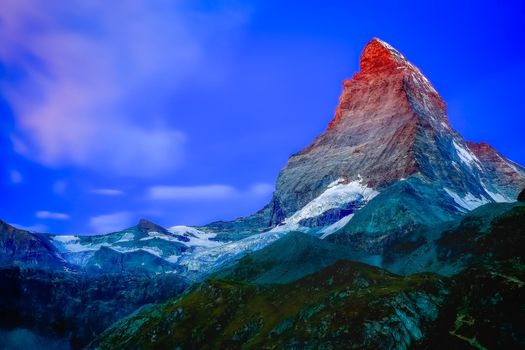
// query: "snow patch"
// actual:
[[155, 234], [468, 202], [127, 237], [172, 258], [152, 250], [71, 244], [497, 197], [339, 181], [65, 239], [335, 196], [336, 226], [206, 260], [197, 238], [466, 156], [181, 230], [289, 228]]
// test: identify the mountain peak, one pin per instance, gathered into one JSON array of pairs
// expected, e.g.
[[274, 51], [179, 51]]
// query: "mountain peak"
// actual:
[[147, 226], [5, 227], [390, 125], [385, 71], [378, 56]]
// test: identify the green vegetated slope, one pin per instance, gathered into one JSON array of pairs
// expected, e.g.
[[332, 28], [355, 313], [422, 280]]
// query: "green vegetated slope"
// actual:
[[486, 305], [349, 304], [346, 303]]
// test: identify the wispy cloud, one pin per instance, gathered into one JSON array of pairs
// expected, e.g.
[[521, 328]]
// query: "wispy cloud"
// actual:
[[91, 72], [107, 192], [111, 222], [206, 192], [44, 214], [261, 188], [15, 176], [60, 187], [191, 192]]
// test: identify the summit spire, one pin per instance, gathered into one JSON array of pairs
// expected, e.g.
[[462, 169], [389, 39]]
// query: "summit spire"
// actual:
[[391, 124], [379, 56], [384, 71]]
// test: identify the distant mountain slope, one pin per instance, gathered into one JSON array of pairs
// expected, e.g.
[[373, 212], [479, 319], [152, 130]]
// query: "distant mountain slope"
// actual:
[[24, 248], [108, 260], [464, 243], [288, 259], [145, 247]]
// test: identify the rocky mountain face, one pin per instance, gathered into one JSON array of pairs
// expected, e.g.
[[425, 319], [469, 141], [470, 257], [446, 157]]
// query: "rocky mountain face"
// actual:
[[29, 249], [144, 248], [391, 124], [388, 166]]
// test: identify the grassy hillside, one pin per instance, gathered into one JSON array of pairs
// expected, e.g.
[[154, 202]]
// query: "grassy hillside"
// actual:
[[345, 305]]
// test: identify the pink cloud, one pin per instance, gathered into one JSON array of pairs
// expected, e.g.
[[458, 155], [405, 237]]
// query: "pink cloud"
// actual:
[[15, 177], [71, 104], [107, 192], [44, 214], [206, 192], [111, 222]]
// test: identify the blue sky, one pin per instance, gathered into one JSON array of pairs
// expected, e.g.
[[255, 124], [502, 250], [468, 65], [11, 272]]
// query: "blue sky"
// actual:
[[184, 112]]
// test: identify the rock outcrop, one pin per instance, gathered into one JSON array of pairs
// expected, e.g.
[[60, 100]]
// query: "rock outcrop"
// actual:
[[27, 249], [521, 196]]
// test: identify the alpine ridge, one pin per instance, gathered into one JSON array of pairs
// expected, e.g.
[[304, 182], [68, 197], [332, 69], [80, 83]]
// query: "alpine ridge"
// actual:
[[391, 126]]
